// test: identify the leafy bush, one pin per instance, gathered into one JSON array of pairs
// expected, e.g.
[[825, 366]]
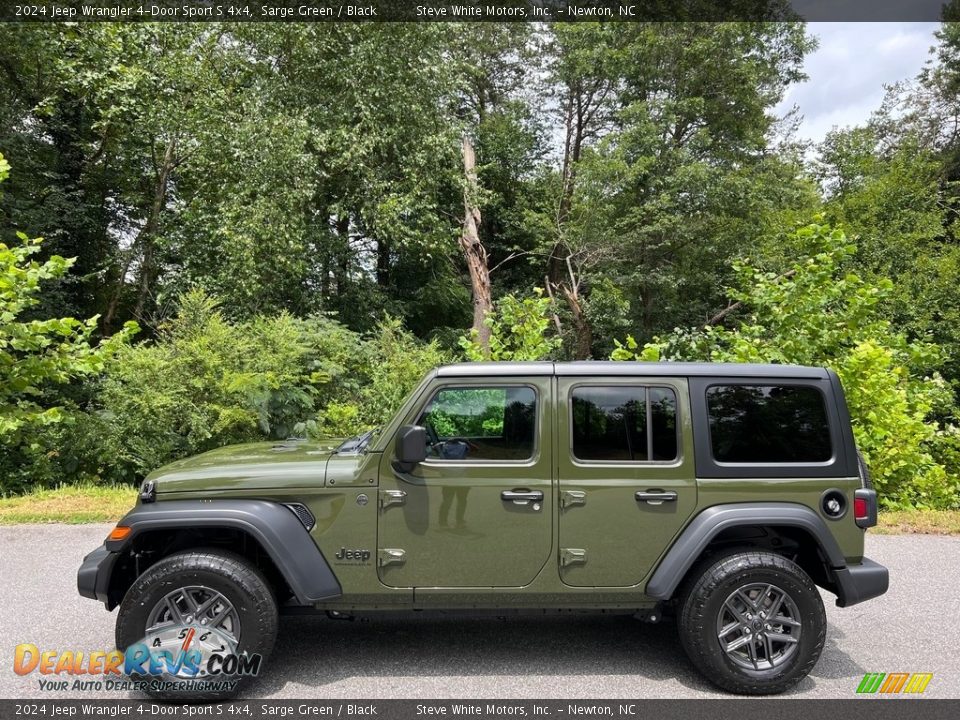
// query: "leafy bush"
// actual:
[[38, 354], [38, 357], [392, 363], [816, 313], [518, 330], [208, 382]]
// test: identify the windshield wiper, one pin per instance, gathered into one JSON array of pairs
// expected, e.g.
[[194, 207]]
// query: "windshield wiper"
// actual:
[[358, 443]]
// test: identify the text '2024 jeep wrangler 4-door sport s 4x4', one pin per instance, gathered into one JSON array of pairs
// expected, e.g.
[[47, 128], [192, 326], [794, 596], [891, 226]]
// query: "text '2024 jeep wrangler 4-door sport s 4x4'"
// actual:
[[726, 493]]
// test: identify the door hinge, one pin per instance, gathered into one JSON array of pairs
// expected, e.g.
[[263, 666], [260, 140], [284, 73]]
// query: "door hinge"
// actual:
[[572, 556], [392, 497], [569, 498], [391, 556]]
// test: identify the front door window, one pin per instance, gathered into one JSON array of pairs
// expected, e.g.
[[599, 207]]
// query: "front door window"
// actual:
[[481, 423]]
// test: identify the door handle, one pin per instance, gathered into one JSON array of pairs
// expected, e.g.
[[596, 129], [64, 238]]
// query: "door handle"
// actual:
[[521, 497], [656, 497]]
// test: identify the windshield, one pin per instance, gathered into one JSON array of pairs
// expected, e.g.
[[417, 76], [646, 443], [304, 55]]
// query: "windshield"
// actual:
[[358, 443]]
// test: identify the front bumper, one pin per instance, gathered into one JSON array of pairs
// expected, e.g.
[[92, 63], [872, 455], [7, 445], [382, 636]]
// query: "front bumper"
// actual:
[[856, 583], [93, 577]]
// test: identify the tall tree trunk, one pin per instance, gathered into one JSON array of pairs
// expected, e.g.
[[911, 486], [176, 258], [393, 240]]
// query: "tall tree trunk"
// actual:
[[584, 333], [383, 263], [474, 252], [148, 269], [83, 230], [341, 262], [574, 130]]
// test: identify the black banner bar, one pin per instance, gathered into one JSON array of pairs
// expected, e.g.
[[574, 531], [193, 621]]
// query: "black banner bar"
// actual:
[[41, 11], [864, 708]]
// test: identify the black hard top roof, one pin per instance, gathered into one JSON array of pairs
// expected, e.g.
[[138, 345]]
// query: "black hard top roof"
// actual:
[[600, 368]]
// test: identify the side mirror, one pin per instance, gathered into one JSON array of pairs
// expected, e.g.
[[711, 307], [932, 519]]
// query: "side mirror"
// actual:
[[411, 446]]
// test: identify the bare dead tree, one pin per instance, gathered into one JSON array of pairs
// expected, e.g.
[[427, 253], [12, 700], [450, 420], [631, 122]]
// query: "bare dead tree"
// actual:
[[474, 253]]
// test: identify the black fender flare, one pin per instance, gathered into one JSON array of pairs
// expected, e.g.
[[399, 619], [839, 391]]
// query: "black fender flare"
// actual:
[[273, 525], [711, 522]]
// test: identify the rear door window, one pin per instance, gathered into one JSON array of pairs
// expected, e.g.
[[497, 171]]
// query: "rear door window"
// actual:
[[620, 423]]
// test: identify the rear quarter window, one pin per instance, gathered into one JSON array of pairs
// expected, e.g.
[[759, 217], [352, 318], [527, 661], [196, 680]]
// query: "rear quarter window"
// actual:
[[768, 424]]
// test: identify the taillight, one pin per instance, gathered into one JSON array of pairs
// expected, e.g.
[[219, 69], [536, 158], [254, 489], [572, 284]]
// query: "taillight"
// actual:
[[865, 507], [860, 508]]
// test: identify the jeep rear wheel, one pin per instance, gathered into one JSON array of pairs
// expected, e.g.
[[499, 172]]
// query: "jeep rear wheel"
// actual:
[[193, 606], [753, 623]]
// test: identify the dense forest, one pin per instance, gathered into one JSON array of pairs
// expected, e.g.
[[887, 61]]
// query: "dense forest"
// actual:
[[255, 231]]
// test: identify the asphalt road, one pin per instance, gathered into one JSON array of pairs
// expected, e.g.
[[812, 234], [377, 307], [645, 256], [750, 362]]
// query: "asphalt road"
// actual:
[[914, 628]]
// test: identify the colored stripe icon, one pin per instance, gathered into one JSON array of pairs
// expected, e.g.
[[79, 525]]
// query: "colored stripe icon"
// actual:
[[894, 683], [918, 682]]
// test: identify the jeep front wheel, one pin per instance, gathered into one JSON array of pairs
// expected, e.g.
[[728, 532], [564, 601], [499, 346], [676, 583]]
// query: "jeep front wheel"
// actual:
[[753, 623], [197, 624]]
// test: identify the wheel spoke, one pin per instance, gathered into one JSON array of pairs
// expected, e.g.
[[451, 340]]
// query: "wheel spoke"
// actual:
[[157, 627], [780, 637], [751, 605], [768, 648], [775, 606], [218, 624], [737, 643], [217, 621], [191, 602], [175, 614], [203, 611], [782, 620], [736, 613], [762, 597], [729, 629], [752, 651]]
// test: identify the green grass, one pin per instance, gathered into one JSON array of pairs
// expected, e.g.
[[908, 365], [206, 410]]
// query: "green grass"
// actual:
[[71, 504], [77, 504], [924, 522]]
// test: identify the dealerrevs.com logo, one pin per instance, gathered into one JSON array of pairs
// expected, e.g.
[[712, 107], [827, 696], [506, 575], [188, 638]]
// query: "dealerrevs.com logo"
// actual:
[[182, 658], [894, 683]]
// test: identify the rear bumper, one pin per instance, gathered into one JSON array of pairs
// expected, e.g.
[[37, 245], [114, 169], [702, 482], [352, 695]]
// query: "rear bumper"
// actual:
[[856, 583], [93, 577]]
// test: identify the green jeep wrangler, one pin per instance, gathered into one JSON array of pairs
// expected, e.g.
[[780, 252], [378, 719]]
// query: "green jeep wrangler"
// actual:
[[723, 494]]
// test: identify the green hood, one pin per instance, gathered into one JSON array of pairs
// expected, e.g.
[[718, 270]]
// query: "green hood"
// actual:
[[252, 466]]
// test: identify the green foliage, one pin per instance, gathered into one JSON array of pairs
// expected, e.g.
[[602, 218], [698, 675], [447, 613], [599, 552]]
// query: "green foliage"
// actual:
[[819, 313], [391, 363], [518, 330], [38, 357], [679, 186], [208, 381], [37, 354]]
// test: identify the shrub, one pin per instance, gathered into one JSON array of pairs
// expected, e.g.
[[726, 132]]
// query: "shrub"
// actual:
[[518, 330], [39, 359], [393, 361], [208, 382]]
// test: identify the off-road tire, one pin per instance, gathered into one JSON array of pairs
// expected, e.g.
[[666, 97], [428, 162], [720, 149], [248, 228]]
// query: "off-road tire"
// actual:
[[703, 599], [229, 574]]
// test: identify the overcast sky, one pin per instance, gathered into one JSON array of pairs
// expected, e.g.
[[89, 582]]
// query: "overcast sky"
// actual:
[[849, 69]]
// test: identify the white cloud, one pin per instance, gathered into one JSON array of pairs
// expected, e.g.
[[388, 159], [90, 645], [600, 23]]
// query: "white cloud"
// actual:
[[849, 69]]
